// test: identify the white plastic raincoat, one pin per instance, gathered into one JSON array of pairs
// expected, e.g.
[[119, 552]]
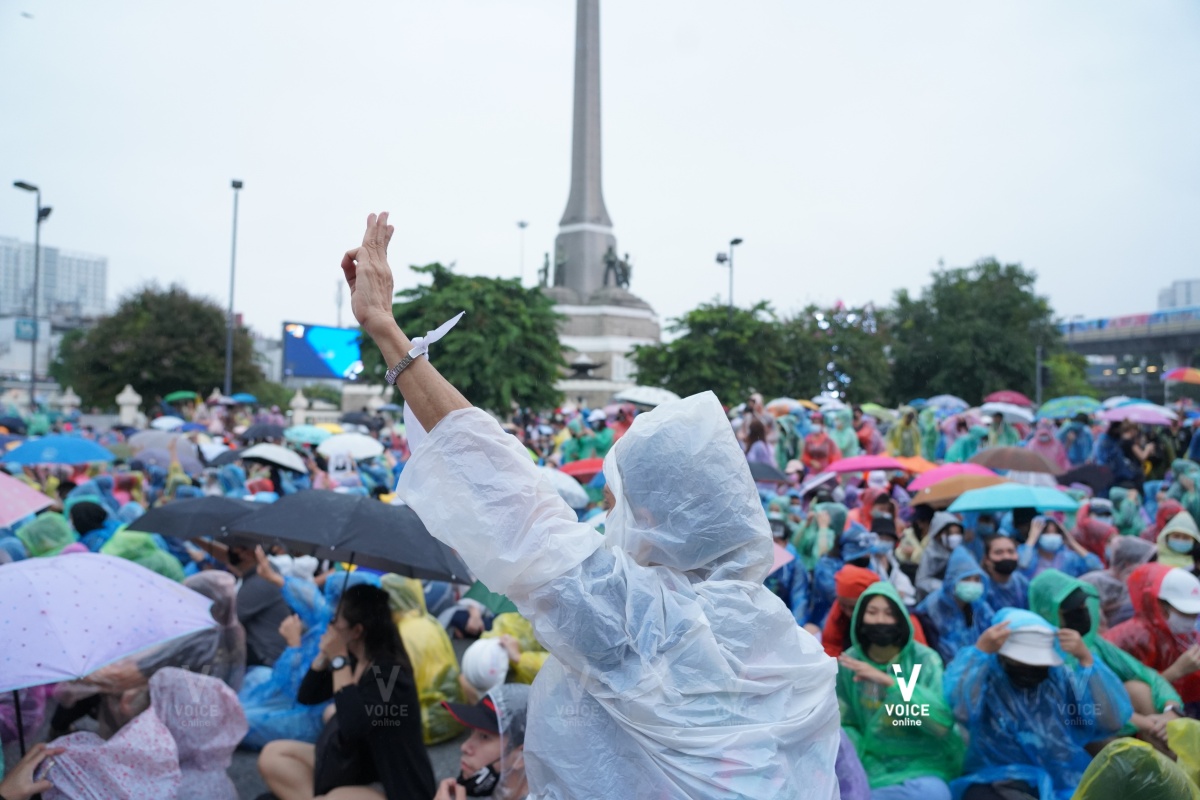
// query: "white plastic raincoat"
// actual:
[[674, 673]]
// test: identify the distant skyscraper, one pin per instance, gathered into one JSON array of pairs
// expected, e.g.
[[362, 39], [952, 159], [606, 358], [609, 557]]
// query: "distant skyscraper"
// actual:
[[71, 285], [1180, 294]]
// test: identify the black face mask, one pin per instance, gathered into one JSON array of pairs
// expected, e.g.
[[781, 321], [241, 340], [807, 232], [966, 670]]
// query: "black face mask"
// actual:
[[482, 783], [863, 562], [235, 558], [1005, 566], [1079, 619], [886, 634], [1025, 676]]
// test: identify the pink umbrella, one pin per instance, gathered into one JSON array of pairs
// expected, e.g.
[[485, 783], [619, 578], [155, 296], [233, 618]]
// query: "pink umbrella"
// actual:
[[1009, 396], [782, 558], [865, 464], [18, 500], [947, 471], [1137, 413]]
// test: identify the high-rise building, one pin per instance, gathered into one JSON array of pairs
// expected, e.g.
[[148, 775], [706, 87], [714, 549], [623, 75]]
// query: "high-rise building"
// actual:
[[70, 285], [1180, 294]]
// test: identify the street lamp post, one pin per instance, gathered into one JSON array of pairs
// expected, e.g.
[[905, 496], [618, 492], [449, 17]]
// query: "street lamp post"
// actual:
[[522, 225], [727, 258], [42, 214], [237, 185]]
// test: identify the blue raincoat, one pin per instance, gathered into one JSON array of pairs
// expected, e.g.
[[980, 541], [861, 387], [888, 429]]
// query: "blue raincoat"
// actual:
[[1014, 594], [790, 584], [1079, 450], [944, 622], [1032, 734], [1030, 561], [268, 694]]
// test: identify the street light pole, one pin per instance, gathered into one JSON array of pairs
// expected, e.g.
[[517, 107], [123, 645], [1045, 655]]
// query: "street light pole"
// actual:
[[237, 186], [522, 225], [727, 258], [42, 214]]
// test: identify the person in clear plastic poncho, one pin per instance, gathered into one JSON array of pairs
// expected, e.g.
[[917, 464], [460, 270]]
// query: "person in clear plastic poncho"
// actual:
[[671, 665], [493, 757]]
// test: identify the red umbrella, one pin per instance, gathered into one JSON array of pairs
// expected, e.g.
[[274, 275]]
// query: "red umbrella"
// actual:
[[1009, 396], [583, 471], [865, 464]]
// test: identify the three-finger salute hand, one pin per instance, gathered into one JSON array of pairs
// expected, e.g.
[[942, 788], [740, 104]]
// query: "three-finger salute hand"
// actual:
[[369, 276]]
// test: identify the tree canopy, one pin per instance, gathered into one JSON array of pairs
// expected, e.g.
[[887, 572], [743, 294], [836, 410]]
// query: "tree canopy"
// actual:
[[158, 341], [504, 350]]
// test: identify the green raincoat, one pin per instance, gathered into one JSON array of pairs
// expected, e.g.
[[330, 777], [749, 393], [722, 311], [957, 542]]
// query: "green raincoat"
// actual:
[[966, 446], [811, 541], [892, 753], [435, 666], [843, 434], [1046, 594], [47, 535], [140, 548], [1126, 518]]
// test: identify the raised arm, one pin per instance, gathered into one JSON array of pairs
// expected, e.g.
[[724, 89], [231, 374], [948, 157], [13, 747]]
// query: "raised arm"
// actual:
[[369, 276]]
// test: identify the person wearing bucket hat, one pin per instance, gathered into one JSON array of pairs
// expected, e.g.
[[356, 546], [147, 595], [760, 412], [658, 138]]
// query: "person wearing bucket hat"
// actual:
[[1028, 712], [1162, 632], [493, 758]]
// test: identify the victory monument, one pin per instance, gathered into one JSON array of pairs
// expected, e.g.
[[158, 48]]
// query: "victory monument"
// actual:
[[587, 279]]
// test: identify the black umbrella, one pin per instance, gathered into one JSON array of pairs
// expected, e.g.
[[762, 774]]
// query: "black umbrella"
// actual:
[[14, 424], [1098, 478], [353, 528], [765, 472], [262, 430], [362, 418], [194, 517], [228, 457]]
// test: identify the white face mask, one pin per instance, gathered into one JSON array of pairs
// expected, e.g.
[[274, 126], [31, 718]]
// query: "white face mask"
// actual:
[[1180, 624], [1050, 542], [953, 540]]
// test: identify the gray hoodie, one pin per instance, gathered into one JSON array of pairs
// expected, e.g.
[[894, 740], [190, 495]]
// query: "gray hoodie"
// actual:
[[936, 555]]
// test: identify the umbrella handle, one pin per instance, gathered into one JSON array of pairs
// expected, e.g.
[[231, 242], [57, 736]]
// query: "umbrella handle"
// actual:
[[20, 721], [342, 595]]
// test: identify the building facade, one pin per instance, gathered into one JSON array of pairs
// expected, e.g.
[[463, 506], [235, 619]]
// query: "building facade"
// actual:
[[71, 285], [1180, 294]]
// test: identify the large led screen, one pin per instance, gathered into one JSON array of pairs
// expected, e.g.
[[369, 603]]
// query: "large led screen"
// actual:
[[319, 351]]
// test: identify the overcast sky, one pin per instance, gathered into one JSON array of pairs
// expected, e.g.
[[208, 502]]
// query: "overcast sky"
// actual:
[[851, 145]]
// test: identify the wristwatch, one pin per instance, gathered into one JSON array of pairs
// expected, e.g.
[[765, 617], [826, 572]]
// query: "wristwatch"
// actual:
[[394, 373], [1173, 707], [338, 662]]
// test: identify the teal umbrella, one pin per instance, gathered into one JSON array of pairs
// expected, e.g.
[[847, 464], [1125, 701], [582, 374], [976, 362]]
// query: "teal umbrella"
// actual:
[[1067, 407], [180, 397], [1008, 496], [306, 434]]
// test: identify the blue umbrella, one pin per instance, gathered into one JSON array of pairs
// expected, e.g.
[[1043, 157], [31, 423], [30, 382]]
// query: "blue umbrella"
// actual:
[[1013, 495], [193, 427], [57, 450], [244, 397], [918, 403]]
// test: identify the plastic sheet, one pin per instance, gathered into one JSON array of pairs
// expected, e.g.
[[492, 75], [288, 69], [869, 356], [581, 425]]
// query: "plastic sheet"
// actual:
[[1128, 768], [673, 667]]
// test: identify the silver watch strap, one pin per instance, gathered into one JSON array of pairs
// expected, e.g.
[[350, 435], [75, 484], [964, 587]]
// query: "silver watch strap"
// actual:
[[394, 373]]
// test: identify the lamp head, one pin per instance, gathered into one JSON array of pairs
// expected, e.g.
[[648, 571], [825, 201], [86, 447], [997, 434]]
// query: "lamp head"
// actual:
[[722, 258], [236, 184], [43, 213], [733, 242], [29, 187]]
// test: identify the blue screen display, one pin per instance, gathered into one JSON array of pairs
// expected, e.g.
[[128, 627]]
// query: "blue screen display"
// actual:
[[319, 351]]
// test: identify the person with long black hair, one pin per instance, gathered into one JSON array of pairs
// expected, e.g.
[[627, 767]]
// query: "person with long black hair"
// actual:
[[371, 746]]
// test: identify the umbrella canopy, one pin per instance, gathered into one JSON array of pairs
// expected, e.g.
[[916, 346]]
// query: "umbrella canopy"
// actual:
[[1067, 407], [161, 440], [1095, 476], [817, 481], [167, 424], [766, 473], [1009, 396], [585, 469], [1009, 458], [161, 458], [181, 397], [209, 452], [274, 454], [1138, 414], [945, 492], [57, 450], [1182, 375], [345, 527], [332, 427], [782, 406], [916, 465], [18, 500], [650, 396], [939, 474], [262, 430], [865, 464], [355, 445], [879, 412], [1007, 496], [1117, 400], [306, 434], [948, 403], [194, 517], [227, 457], [781, 558], [567, 487], [244, 398], [68, 616], [362, 418], [1010, 412], [14, 424]]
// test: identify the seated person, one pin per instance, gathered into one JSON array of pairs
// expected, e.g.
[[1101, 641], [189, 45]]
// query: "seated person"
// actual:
[[466, 619], [1004, 586], [1071, 603], [1162, 633], [956, 614], [493, 756], [371, 742], [1009, 691], [1177, 543], [1125, 555], [851, 582], [1050, 546], [945, 536], [901, 761], [790, 581]]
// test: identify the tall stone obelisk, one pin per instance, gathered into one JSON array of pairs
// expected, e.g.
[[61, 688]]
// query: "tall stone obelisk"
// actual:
[[585, 231], [603, 321]]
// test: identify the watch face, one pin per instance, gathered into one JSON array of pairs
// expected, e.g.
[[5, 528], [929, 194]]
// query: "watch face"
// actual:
[[338, 662]]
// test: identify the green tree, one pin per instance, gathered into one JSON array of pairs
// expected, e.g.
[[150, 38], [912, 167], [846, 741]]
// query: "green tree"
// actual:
[[504, 350], [158, 341], [974, 331], [1067, 376], [846, 349], [710, 350]]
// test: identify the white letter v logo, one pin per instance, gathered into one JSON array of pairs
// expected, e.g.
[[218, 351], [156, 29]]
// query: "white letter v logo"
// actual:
[[907, 686]]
